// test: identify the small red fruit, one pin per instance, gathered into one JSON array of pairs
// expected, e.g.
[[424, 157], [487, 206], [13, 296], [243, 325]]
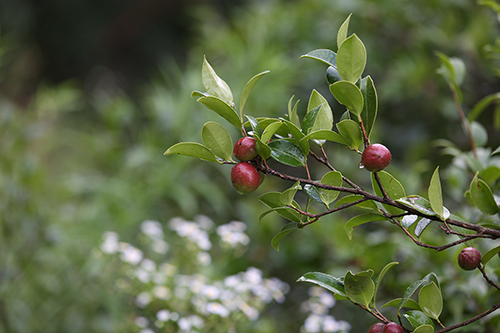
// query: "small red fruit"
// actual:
[[245, 177], [376, 328], [244, 149], [392, 328], [469, 259], [376, 157]]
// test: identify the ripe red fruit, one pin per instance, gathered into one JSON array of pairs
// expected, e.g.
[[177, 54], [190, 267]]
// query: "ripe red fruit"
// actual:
[[392, 328], [244, 149], [245, 177], [376, 328], [376, 157], [469, 259]]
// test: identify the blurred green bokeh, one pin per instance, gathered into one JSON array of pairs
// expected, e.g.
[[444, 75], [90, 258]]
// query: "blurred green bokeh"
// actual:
[[92, 93]]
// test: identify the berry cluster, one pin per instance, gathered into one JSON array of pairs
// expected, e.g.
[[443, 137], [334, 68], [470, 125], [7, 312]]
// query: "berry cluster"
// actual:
[[386, 328], [244, 176]]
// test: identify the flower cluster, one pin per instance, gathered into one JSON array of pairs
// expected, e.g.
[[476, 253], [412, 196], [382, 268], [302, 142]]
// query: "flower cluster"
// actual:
[[319, 303], [177, 287]]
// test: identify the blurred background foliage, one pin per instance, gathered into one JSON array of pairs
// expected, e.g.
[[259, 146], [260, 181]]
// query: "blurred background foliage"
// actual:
[[93, 92]]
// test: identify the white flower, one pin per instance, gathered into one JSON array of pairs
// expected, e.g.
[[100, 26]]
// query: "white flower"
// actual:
[[249, 311], [148, 265], [330, 324], [163, 315], [130, 254], [218, 309], [204, 258], [143, 275], [141, 321], [327, 299], [161, 292], [152, 228], [204, 222], [313, 323], [253, 275], [211, 292], [110, 244], [160, 246], [143, 299]]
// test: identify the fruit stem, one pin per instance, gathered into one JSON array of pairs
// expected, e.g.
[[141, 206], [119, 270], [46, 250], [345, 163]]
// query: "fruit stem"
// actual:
[[365, 136]]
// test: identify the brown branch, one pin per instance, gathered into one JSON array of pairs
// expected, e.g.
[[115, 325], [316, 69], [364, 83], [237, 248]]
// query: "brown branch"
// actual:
[[316, 217], [471, 320], [481, 268]]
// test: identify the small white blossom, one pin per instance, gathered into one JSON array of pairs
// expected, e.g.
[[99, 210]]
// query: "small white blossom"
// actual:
[[163, 315], [110, 244], [218, 309], [130, 254], [153, 229]]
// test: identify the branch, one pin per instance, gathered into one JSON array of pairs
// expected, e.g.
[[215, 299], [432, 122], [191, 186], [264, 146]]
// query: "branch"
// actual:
[[471, 320]]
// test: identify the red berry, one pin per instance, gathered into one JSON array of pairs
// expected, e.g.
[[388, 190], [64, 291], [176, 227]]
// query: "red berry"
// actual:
[[244, 149], [376, 328], [245, 177], [376, 157], [469, 259], [392, 328]]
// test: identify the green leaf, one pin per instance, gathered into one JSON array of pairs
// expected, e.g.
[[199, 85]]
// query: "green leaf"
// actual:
[[392, 187], [333, 178], [418, 318], [331, 283], [349, 95], [297, 135], [324, 119], [310, 119], [368, 204], [218, 140], [193, 149], [292, 112], [408, 293], [379, 279], [328, 135], [342, 33], [490, 254], [418, 203], [270, 130], [350, 131], [362, 219], [313, 193], [199, 94], [214, 85], [482, 196], [287, 196], [421, 225], [424, 329], [262, 148], [431, 300], [248, 89], [332, 75], [410, 304], [222, 108], [351, 59], [370, 106], [287, 228], [453, 69], [327, 56], [408, 220], [436, 194], [359, 287], [272, 200], [287, 153], [482, 105], [255, 126]]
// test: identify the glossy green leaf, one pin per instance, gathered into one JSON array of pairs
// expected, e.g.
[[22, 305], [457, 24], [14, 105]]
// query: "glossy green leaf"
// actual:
[[392, 187], [193, 149], [214, 85], [332, 75], [286, 198], [424, 329], [287, 228], [255, 126], [262, 148], [272, 200], [333, 178], [410, 304], [328, 135], [199, 94], [362, 219], [490, 254], [310, 119], [331, 283], [297, 135], [349, 95], [217, 139], [359, 288], [324, 119], [453, 69], [431, 277], [287, 153], [292, 112], [313, 193], [327, 56], [350, 131], [270, 130], [436, 194], [248, 89], [418, 318], [431, 300], [482, 196], [342, 33], [222, 108], [378, 280], [368, 204], [351, 59], [370, 106], [418, 203]]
